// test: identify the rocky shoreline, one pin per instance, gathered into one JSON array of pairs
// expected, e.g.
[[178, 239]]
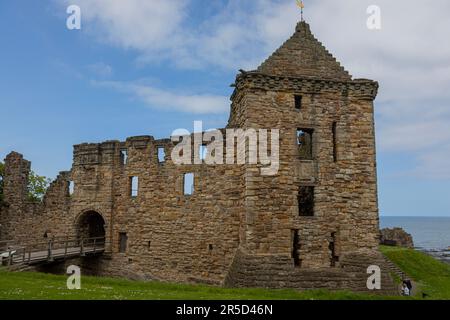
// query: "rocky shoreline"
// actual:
[[396, 237], [400, 238], [439, 254]]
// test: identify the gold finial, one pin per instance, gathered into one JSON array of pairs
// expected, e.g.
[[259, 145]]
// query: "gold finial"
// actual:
[[301, 6]]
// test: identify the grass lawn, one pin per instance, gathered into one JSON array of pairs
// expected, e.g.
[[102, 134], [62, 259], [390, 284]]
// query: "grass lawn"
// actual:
[[433, 276], [29, 285]]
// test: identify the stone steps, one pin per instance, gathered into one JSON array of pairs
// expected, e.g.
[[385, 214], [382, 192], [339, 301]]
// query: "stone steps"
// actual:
[[392, 267]]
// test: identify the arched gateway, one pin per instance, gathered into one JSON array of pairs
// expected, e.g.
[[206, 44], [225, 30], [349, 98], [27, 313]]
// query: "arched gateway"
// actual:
[[90, 224]]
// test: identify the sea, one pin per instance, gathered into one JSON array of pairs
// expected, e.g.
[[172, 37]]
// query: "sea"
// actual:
[[430, 234]]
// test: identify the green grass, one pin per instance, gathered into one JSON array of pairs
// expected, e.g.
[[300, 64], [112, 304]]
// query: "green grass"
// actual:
[[29, 285], [433, 276]]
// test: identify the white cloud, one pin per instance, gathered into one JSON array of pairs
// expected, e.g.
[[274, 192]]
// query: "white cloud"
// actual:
[[100, 69], [434, 163], [170, 101], [410, 56], [135, 24], [160, 30], [420, 129], [414, 136]]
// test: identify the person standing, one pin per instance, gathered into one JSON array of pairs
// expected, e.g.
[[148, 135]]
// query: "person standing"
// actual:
[[405, 290]]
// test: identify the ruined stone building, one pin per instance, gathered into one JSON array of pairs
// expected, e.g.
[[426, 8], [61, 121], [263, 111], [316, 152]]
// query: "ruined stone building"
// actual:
[[313, 225]]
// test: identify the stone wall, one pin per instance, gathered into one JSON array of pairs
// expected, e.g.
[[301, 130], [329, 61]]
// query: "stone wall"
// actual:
[[27, 221], [345, 189], [3, 223], [239, 227], [170, 235], [276, 271]]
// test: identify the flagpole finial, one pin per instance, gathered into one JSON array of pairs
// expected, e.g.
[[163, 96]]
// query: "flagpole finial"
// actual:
[[301, 6]]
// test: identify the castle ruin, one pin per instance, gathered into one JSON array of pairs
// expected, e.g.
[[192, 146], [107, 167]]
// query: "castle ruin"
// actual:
[[312, 225]]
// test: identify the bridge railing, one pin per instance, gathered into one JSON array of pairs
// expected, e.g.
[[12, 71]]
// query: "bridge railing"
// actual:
[[51, 249], [31, 242]]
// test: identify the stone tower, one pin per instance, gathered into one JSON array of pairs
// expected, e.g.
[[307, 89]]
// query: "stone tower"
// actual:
[[321, 208], [312, 225]]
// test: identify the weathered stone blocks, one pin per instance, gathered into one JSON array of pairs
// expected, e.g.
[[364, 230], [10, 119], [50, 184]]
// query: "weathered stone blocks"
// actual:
[[238, 228]]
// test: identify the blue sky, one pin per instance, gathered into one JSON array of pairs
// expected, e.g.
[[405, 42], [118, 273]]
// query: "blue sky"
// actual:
[[147, 67]]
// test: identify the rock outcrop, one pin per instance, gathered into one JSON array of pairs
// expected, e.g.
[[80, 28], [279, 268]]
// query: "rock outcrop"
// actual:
[[396, 237]]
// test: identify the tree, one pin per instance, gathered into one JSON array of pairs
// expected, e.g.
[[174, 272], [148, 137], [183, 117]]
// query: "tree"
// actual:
[[2, 172], [37, 186]]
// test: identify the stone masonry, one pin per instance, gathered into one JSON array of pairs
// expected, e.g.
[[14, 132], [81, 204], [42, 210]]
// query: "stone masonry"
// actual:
[[396, 237], [313, 225]]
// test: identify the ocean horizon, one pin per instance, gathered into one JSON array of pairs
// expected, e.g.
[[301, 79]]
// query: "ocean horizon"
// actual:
[[430, 234]]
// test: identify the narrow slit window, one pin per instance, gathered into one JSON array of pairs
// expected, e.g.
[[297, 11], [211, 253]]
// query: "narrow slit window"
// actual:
[[334, 258], [305, 143], [296, 248], [298, 102], [71, 187], [161, 155], [305, 199], [333, 129], [188, 182], [124, 156], [134, 186], [203, 149]]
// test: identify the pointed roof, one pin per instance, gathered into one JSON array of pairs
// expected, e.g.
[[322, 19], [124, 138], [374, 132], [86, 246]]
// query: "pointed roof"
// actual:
[[304, 56]]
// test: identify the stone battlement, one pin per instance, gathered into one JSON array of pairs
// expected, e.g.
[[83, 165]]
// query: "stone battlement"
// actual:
[[359, 88], [313, 224]]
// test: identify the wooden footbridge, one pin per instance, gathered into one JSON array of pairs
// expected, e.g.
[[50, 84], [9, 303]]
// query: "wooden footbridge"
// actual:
[[41, 252]]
